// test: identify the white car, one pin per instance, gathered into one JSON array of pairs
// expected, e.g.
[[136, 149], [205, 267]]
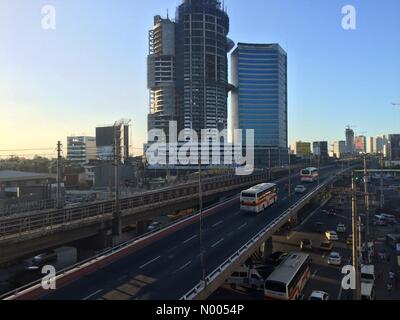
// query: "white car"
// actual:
[[341, 228], [331, 236], [153, 226], [319, 295], [300, 189], [335, 259]]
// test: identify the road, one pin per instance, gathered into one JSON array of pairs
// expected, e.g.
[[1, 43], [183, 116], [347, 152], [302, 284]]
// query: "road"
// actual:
[[169, 267]]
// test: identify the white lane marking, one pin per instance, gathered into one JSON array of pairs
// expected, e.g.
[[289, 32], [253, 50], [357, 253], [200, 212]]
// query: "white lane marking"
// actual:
[[217, 224], [242, 226], [172, 249], [190, 239], [184, 266], [314, 274], [151, 261], [93, 294], [217, 243]]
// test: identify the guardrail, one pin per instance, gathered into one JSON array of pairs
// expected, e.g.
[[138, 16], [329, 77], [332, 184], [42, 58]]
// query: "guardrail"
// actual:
[[192, 293], [46, 222]]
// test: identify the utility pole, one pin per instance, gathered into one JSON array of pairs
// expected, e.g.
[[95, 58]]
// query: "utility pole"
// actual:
[[117, 155], [202, 258], [290, 176], [382, 199], [366, 199], [355, 237], [59, 202]]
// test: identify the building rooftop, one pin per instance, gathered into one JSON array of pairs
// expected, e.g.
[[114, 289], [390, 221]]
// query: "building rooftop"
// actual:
[[11, 175]]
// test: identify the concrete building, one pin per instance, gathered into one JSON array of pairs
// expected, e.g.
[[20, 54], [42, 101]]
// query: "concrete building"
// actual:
[[349, 141], [161, 75], [320, 149], [360, 144], [109, 136], [259, 99], [201, 50], [394, 142], [81, 149], [339, 149], [371, 145], [303, 149]]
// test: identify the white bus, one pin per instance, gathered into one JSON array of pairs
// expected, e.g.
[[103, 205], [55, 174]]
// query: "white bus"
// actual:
[[309, 175], [289, 278], [259, 197]]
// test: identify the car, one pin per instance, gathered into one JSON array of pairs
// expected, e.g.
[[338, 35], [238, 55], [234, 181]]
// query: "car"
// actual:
[[332, 212], [349, 240], [331, 235], [334, 259], [319, 295], [389, 218], [44, 258], [300, 189], [379, 220], [341, 228], [306, 244], [326, 246], [154, 225]]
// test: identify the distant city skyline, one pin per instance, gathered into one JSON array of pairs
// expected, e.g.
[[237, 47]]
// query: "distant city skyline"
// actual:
[[91, 70]]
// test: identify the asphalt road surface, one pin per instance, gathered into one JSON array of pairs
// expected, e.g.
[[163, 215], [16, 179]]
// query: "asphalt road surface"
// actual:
[[169, 267]]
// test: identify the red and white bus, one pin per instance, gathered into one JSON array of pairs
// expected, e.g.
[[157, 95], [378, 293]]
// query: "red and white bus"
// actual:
[[289, 278], [309, 175], [259, 197]]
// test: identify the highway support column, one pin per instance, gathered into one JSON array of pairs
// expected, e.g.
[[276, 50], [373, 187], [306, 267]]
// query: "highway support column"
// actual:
[[266, 248]]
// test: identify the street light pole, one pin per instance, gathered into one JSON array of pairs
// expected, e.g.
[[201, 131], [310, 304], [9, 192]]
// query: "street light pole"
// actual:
[[355, 237], [366, 198]]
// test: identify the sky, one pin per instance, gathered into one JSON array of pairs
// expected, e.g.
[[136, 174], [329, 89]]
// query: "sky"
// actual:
[[91, 70]]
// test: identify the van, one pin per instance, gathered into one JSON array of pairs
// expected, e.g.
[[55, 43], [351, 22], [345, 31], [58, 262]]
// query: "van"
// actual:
[[249, 277], [379, 220], [368, 274]]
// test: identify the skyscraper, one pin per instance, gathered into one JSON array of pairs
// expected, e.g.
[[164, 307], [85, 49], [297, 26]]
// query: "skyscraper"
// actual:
[[259, 100], [320, 149], [202, 47], [394, 140], [371, 145], [349, 141], [161, 74], [360, 144], [188, 67], [339, 149]]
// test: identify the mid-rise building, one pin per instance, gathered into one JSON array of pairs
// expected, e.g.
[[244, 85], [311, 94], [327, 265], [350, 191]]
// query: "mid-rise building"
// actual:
[[371, 145], [394, 141], [110, 137], [339, 149], [320, 149], [259, 99], [349, 141], [360, 144], [81, 149], [303, 149]]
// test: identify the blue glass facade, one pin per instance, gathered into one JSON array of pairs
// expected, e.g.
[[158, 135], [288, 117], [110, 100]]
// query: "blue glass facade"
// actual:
[[259, 101]]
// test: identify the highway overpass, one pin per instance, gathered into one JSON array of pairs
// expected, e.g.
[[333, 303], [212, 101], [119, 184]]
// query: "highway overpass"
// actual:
[[167, 264]]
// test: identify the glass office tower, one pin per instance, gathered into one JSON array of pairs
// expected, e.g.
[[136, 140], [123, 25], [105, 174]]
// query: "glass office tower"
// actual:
[[259, 100]]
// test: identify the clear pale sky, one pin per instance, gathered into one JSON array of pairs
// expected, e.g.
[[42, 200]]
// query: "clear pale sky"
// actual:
[[91, 70]]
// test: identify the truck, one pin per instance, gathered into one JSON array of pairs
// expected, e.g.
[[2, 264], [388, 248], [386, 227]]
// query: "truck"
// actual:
[[250, 277]]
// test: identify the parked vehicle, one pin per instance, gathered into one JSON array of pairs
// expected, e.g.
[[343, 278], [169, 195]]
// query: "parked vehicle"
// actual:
[[319, 295], [251, 277], [349, 240], [334, 259], [379, 220], [331, 235], [389, 218], [154, 225]]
